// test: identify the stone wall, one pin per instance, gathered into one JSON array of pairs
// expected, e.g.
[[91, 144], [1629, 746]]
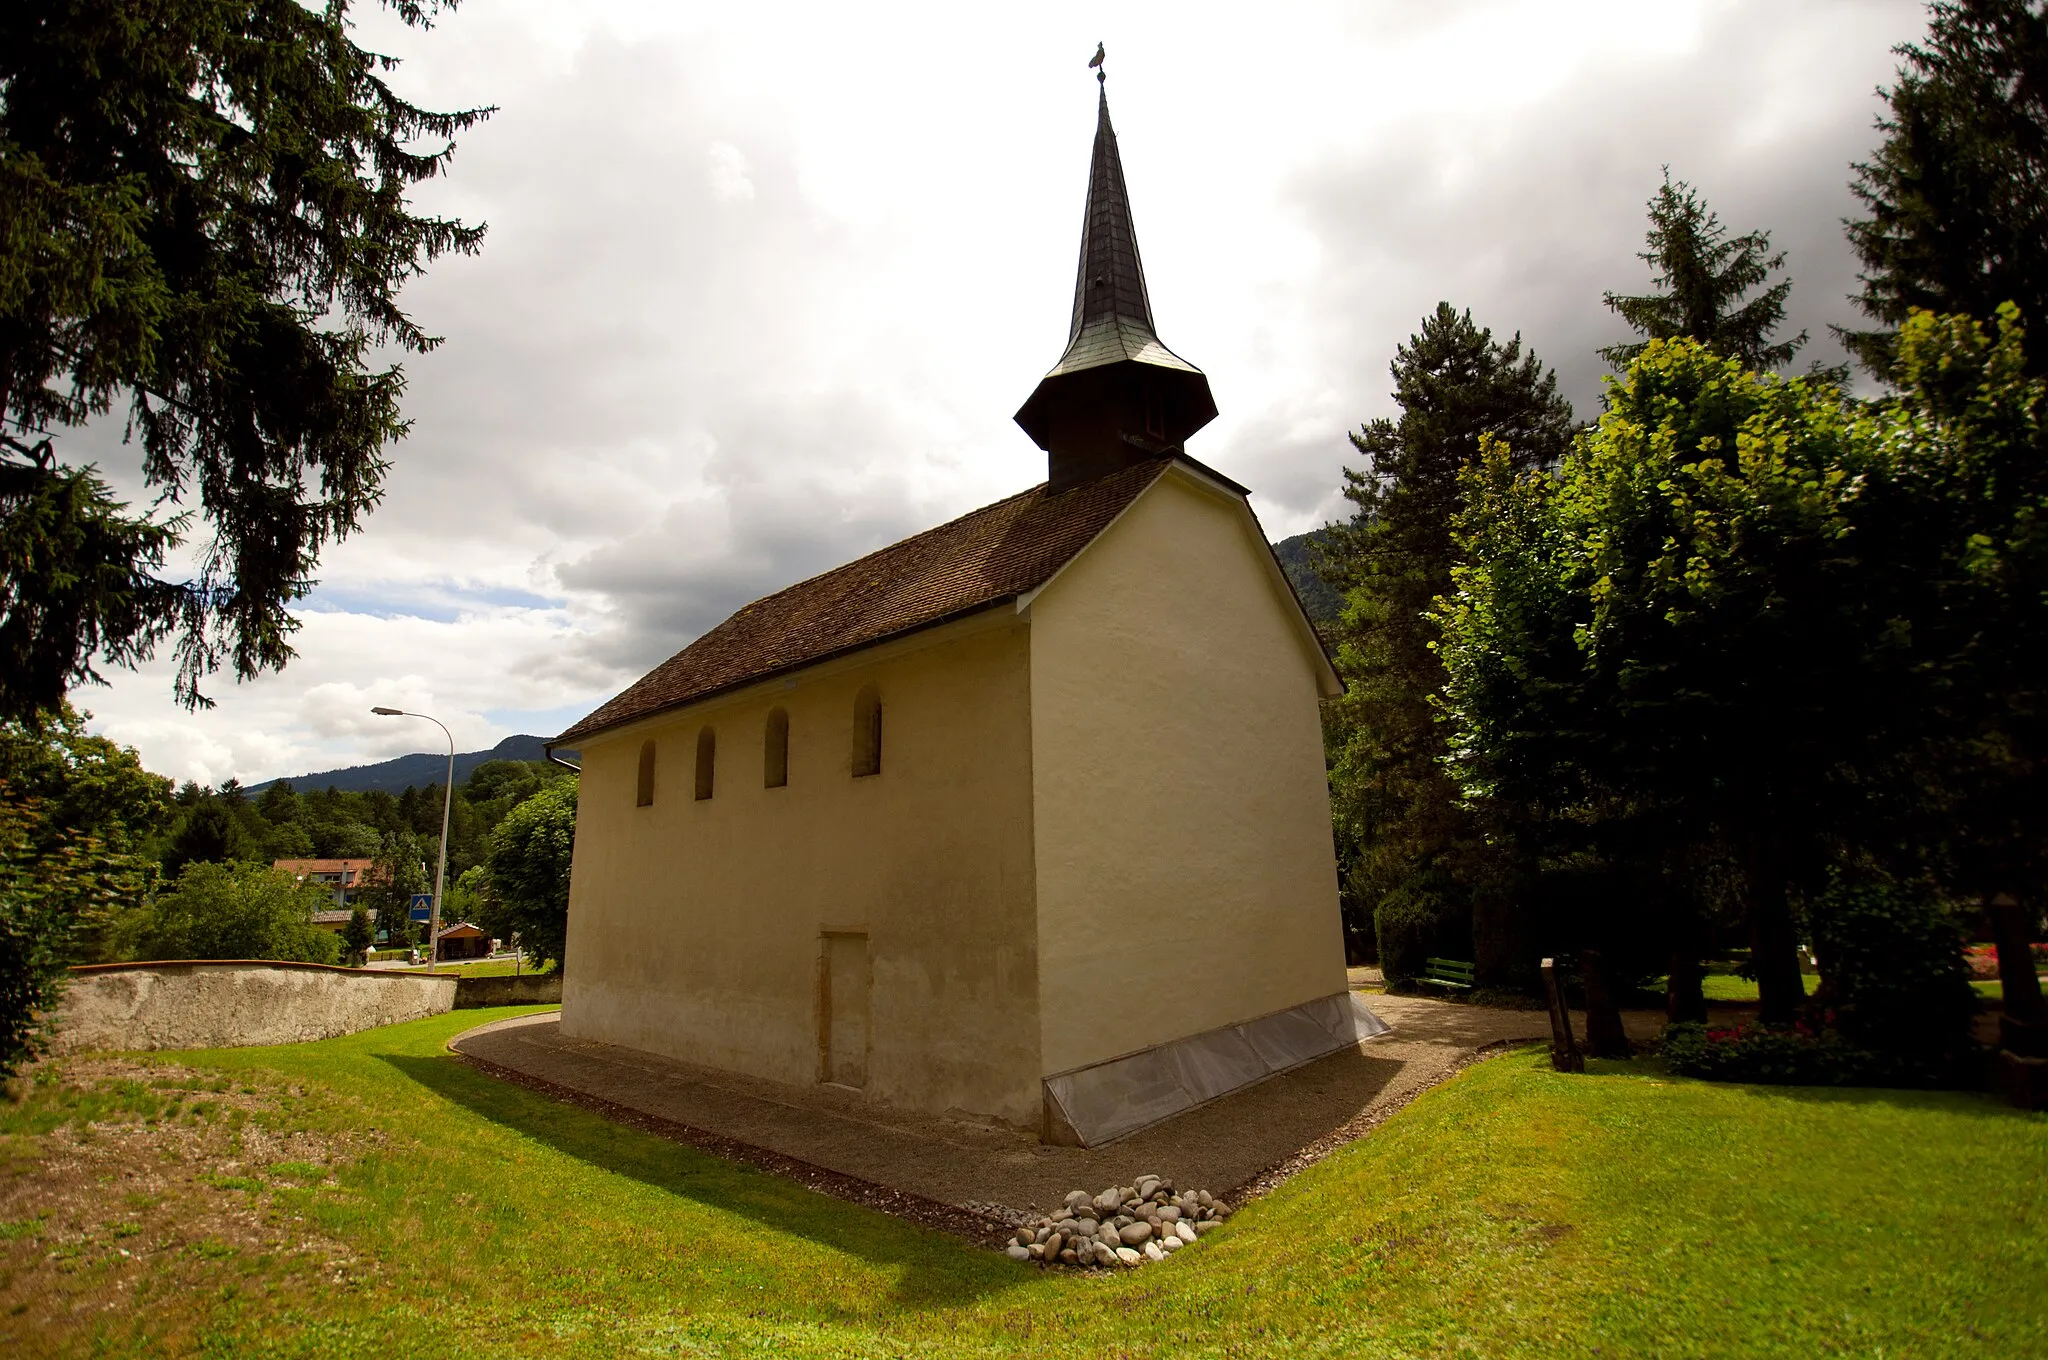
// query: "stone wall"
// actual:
[[227, 1003], [527, 989]]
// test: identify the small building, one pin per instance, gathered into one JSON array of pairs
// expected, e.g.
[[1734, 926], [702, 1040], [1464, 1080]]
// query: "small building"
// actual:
[[347, 877], [1023, 818], [461, 941]]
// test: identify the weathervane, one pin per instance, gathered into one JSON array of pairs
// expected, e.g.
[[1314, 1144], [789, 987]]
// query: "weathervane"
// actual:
[[1095, 65]]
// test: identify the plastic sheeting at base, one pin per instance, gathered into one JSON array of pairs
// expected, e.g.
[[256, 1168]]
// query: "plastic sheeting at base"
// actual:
[[1096, 1105]]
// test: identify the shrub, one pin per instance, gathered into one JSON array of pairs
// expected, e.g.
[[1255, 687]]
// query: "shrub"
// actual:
[[1413, 922], [239, 911], [1892, 967], [1798, 1056]]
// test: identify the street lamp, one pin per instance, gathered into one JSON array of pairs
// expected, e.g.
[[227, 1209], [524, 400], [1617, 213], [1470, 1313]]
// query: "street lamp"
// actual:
[[447, 802]]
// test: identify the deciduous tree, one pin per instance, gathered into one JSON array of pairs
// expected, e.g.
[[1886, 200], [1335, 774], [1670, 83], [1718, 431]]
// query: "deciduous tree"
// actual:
[[239, 911], [74, 810], [529, 873]]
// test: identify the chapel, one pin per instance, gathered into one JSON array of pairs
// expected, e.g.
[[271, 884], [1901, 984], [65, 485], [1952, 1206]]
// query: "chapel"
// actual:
[[1022, 819]]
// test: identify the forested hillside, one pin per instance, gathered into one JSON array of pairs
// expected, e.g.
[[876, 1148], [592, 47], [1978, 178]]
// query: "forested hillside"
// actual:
[[1323, 603], [419, 768]]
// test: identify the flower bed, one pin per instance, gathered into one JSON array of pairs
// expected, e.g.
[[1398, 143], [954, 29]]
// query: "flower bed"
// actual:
[[1800, 1055]]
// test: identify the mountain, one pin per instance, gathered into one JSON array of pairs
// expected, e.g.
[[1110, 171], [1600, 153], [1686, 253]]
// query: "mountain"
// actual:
[[1322, 602], [419, 770]]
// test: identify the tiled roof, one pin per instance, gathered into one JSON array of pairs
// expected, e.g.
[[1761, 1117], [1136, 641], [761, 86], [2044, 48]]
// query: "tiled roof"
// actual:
[[358, 870], [993, 554]]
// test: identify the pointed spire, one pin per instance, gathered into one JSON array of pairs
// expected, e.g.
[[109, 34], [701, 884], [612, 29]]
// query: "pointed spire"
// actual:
[[1117, 395], [1111, 279]]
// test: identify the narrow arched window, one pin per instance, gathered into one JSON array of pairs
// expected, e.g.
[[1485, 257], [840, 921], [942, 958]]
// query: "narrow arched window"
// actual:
[[775, 750], [867, 732], [645, 796], [707, 756]]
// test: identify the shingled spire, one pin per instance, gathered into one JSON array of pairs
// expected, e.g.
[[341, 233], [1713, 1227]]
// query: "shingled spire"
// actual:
[[1117, 396]]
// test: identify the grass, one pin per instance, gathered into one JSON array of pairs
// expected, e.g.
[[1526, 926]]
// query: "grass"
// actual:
[[488, 968], [1725, 987], [1511, 1212], [498, 968]]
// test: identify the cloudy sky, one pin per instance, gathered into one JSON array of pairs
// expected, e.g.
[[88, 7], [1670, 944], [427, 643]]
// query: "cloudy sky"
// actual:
[[764, 283]]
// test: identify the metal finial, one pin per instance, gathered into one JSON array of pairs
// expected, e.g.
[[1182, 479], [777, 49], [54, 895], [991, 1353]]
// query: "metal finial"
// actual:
[[1095, 65]]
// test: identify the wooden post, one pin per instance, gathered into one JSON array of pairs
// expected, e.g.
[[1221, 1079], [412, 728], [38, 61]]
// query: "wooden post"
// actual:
[[1605, 1038], [1564, 1050]]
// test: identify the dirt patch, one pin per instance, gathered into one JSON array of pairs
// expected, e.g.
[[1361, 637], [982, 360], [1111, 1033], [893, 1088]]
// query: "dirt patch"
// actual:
[[120, 1181]]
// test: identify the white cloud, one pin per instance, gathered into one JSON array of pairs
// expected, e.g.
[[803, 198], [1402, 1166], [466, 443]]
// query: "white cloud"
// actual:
[[729, 180], [764, 284]]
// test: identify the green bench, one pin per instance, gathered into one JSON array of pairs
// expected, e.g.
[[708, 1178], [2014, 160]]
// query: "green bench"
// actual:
[[1448, 973]]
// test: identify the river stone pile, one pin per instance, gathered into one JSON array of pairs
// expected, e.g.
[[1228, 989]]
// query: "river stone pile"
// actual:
[[1125, 1225]]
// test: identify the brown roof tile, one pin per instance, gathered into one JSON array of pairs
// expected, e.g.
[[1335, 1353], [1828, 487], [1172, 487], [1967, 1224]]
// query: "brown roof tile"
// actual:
[[992, 554]]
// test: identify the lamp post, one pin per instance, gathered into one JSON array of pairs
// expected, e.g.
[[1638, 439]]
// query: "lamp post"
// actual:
[[447, 802]]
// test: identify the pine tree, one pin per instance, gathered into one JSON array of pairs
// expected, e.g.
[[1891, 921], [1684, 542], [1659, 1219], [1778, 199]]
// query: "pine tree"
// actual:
[[358, 935], [211, 834], [1958, 192], [1411, 858], [1702, 274], [203, 219]]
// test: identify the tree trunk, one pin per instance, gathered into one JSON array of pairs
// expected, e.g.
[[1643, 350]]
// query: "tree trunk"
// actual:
[[1605, 1037], [1773, 946], [1503, 951], [1685, 1000], [2011, 928]]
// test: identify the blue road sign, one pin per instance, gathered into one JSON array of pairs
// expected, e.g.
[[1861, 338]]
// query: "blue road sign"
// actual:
[[422, 906]]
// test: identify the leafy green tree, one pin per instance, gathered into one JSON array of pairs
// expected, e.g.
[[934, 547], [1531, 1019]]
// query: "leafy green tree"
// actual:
[[358, 935], [1697, 554], [1702, 274], [469, 896], [529, 873], [203, 218], [239, 911], [1406, 843], [1752, 622], [1965, 511], [346, 840], [74, 810], [1957, 194], [398, 871]]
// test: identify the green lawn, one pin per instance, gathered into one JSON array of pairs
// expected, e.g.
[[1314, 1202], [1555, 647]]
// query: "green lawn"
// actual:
[[416, 1207], [486, 968], [497, 968], [1728, 987]]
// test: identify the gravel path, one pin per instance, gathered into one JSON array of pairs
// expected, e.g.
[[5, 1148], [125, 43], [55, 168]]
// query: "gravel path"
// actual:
[[1242, 1144]]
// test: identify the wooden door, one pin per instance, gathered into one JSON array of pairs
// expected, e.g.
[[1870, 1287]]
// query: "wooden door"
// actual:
[[844, 1008]]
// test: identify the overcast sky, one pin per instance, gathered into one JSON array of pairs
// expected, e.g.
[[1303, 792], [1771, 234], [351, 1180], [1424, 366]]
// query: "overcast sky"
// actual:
[[764, 284]]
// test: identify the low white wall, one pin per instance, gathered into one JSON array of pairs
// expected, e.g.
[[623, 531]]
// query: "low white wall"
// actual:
[[227, 1003]]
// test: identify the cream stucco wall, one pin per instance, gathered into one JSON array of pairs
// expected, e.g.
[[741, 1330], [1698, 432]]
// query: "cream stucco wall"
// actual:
[[695, 927], [1186, 876]]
